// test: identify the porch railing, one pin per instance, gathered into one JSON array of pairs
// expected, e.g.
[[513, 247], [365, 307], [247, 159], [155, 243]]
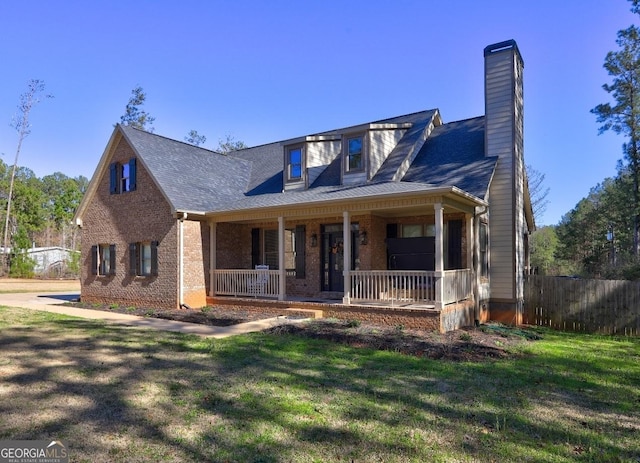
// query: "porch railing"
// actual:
[[253, 283], [457, 285], [409, 287], [383, 286]]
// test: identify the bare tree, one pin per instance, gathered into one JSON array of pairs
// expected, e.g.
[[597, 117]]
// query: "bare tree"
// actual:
[[537, 192], [133, 115], [230, 144], [20, 122], [194, 138]]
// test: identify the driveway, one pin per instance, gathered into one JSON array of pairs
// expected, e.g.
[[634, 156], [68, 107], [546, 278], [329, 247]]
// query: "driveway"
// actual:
[[50, 296]]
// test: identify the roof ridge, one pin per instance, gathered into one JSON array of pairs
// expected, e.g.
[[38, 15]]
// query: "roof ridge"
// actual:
[[169, 138]]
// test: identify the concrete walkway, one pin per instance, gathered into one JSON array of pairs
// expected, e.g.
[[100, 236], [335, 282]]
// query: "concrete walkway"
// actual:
[[52, 302]]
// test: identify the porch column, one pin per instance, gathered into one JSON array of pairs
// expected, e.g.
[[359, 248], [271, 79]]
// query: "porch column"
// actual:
[[346, 256], [439, 273], [212, 257], [470, 241], [282, 272]]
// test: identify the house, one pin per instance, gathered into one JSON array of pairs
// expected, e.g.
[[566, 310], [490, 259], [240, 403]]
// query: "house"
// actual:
[[407, 220], [51, 260]]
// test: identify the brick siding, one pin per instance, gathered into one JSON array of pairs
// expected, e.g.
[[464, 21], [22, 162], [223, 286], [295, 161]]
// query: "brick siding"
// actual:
[[141, 215]]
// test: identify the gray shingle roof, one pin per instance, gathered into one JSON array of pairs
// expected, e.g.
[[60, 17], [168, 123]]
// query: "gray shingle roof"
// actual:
[[192, 178], [454, 156], [195, 179]]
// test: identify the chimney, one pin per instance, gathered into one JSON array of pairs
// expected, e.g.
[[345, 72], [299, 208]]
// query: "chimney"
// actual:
[[504, 129], [503, 99]]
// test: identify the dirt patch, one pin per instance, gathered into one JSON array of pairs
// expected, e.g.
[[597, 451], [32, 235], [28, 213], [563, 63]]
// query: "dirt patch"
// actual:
[[492, 341], [486, 342]]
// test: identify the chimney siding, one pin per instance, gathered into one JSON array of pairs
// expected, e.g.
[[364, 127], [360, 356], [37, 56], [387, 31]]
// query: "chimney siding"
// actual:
[[504, 139]]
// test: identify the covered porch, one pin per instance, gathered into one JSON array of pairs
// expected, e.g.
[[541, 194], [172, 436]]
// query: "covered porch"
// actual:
[[306, 267]]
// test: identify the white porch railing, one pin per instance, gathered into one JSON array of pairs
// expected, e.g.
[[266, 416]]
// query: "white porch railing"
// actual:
[[409, 287], [382, 286], [254, 283], [457, 285]]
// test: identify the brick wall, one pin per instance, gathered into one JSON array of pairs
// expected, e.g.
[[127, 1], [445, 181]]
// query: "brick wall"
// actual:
[[136, 216], [196, 257], [451, 318], [233, 246]]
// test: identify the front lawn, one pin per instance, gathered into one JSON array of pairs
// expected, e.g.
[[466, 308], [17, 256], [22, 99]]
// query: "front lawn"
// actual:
[[116, 394]]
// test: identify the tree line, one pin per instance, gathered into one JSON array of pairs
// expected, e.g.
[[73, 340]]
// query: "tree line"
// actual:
[[600, 236], [41, 214]]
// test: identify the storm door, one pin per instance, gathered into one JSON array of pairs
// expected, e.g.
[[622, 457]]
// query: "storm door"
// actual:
[[333, 256]]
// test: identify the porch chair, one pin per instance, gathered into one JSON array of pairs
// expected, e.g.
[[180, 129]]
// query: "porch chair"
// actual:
[[258, 285]]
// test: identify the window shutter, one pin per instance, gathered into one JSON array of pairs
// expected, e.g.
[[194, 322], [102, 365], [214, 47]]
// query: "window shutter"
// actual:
[[300, 251], [455, 244], [392, 230], [255, 247], [154, 258], [133, 262], [112, 262], [113, 178], [132, 174], [94, 260]]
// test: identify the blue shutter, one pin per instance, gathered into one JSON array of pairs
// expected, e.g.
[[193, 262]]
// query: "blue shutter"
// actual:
[[94, 260], [113, 178], [112, 260], [132, 174], [133, 262], [154, 258], [255, 247]]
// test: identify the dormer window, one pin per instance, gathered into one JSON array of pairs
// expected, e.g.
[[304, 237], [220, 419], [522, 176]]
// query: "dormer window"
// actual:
[[295, 163], [355, 158]]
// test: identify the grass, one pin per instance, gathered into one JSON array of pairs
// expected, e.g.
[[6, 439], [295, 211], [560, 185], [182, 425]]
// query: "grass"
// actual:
[[116, 394]]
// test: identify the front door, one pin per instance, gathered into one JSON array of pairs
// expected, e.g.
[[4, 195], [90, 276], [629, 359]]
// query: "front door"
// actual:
[[333, 256]]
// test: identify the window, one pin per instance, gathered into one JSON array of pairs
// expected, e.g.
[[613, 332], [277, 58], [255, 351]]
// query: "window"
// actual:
[[103, 259], [143, 258], [484, 250], [122, 177], [354, 154], [294, 164], [264, 249], [418, 230], [125, 181]]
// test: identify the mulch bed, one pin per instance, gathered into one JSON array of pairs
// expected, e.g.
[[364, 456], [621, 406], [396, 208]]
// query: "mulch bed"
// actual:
[[487, 342]]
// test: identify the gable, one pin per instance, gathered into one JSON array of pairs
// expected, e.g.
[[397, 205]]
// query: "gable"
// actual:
[[454, 156]]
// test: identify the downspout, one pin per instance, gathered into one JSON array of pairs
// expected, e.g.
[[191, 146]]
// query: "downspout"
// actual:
[[181, 259], [476, 259]]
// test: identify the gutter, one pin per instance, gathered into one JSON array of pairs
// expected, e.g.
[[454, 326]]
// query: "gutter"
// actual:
[[181, 220]]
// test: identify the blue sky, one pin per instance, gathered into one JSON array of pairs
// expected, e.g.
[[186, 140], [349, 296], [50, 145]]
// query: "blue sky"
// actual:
[[264, 71]]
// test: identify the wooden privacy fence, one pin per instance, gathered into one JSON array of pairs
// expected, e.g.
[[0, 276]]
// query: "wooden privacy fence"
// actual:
[[575, 304]]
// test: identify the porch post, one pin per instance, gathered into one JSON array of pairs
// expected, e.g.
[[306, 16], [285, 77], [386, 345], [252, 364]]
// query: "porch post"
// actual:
[[346, 256], [439, 273], [470, 241], [471, 245], [282, 272], [213, 230]]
